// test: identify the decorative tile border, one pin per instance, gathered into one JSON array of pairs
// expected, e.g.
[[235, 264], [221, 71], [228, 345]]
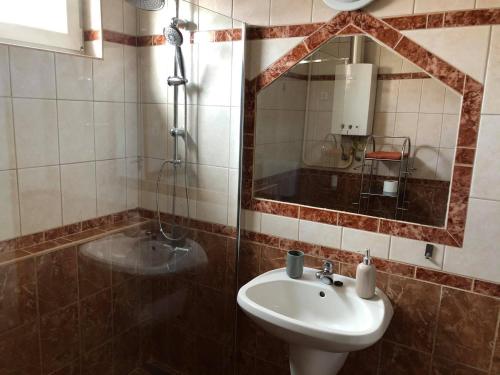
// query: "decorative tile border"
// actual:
[[472, 91], [380, 77], [350, 258]]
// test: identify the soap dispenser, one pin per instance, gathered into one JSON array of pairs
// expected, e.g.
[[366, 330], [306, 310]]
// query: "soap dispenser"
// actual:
[[365, 277]]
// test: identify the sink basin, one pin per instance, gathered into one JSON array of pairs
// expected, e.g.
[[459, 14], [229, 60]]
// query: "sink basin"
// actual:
[[322, 323]]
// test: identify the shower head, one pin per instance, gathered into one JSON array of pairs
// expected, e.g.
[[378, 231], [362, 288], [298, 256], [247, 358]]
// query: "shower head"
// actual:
[[148, 4], [173, 35]]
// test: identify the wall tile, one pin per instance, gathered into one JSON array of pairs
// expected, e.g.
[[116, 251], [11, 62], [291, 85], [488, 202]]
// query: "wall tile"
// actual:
[[5, 89], [433, 96], [385, 8], [33, 73], [26, 361], [7, 146], [212, 194], [487, 3], [445, 162], [466, 328], [109, 125], [410, 91], [319, 233], [78, 188], [152, 23], [9, 220], [398, 360], [464, 47], [56, 279], [290, 12], [358, 240], [442, 366], [250, 220], [322, 12], [76, 131], [129, 18], [387, 96], [36, 132], [112, 15], [280, 226], [131, 130], [449, 131], [452, 102], [131, 74], [485, 183], [111, 186], [429, 130], [422, 6], [213, 73], [412, 251], [74, 77], [232, 204], [132, 183], [155, 67], [40, 199], [478, 256], [491, 102], [154, 132], [109, 84], [246, 11], [234, 141], [212, 137], [220, 6], [96, 319]]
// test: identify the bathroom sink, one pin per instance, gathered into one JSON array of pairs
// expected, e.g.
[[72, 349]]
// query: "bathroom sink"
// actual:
[[322, 323]]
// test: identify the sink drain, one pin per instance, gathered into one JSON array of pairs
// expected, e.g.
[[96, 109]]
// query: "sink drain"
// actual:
[[321, 294]]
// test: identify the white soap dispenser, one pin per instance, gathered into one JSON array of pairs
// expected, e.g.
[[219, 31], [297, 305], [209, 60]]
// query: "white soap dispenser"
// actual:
[[365, 277]]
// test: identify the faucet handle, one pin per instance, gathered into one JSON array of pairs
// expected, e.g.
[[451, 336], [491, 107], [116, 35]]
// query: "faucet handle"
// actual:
[[328, 267]]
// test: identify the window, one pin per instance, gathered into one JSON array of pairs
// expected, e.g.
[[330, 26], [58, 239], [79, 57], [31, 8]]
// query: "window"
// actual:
[[54, 23]]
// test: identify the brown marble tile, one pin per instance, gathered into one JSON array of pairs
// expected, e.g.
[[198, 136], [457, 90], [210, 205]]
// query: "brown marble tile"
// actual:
[[8, 246], [466, 328], [394, 268], [269, 368], [348, 30], [57, 279], [415, 306], [96, 322], [126, 351], [30, 240], [93, 275], [307, 248], [441, 366], [260, 238], [343, 256], [472, 17], [363, 362], [271, 258], [85, 235], [91, 35], [98, 361], [326, 32], [59, 335], [495, 362], [63, 231], [17, 295], [358, 222], [275, 208], [212, 273], [431, 64], [119, 38], [42, 247], [271, 349], [179, 350], [435, 20], [487, 288], [416, 232], [465, 156], [471, 113], [376, 28], [407, 22], [318, 215], [444, 278], [126, 305], [20, 351], [397, 360], [212, 321]]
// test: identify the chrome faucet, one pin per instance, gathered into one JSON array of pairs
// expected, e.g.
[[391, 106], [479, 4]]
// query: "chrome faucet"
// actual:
[[326, 275]]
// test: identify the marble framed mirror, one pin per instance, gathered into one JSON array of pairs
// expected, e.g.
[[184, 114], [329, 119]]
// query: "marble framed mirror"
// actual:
[[300, 163]]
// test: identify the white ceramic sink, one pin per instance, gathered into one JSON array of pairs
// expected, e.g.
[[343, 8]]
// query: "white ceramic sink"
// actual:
[[322, 323]]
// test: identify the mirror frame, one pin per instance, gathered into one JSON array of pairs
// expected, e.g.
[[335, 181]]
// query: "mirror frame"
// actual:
[[361, 23]]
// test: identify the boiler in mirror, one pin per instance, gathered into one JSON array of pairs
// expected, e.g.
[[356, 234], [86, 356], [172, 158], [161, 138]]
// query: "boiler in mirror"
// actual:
[[355, 127]]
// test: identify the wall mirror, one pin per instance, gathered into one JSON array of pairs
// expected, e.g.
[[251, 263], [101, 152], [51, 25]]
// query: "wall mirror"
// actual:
[[67, 26], [355, 127]]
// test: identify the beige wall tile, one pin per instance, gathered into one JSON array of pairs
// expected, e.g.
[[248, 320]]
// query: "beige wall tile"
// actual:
[[445, 163], [247, 11], [76, 131], [129, 18], [111, 180], [109, 123], [212, 137], [220, 6], [452, 102], [78, 189], [7, 146], [385, 8], [154, 132], [32, 73], [131, 82], [4, 71], [486, 179], [131, 130], [322, 12], [280, 226], [410, 92], [74, 77], [213, 72], [359, 240], [9, 205], [40, 199], [433, 96], [413, 252], [463, 47], [479, 255], [212, 194], [112, 15], [491, 102], [250, 220], [449, 131], [387, 96], [429, 130], [109, 84], [487, 3], [36, 132], [289, 12], [132, 183], [320, 234], [422, 6]]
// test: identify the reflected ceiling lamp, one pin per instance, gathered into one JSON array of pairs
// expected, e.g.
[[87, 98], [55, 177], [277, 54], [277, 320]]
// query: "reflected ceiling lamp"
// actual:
[[347, 4]]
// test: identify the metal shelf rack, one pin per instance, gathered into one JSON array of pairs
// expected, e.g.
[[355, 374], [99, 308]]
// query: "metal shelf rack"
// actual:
[[369, 160]]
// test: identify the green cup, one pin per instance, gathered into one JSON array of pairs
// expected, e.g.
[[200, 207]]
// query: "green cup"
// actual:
[[295, 264]]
